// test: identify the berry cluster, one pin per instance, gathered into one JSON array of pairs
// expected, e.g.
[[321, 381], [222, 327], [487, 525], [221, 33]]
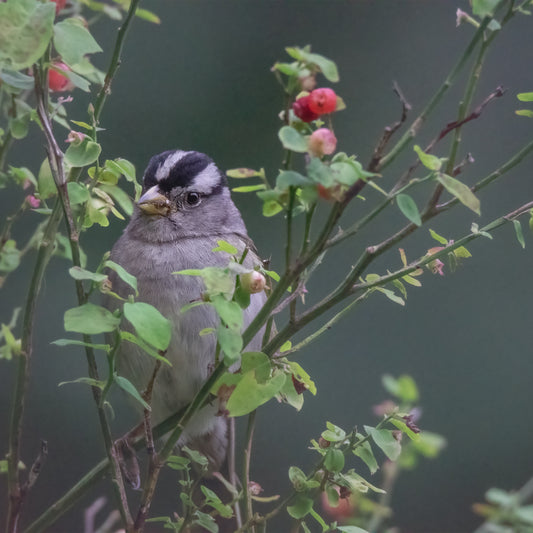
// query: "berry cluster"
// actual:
[[316, 103]]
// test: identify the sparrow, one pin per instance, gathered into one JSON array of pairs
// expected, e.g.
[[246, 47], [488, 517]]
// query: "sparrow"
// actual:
[[184, 209]]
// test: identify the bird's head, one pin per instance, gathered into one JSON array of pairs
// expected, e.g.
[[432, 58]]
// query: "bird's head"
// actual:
[[185, 195]]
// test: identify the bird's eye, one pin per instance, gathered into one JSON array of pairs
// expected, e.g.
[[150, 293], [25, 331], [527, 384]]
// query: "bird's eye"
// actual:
[[193, 198]]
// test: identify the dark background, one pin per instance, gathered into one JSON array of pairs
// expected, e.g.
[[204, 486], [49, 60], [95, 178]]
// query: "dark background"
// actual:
[[201, 80]]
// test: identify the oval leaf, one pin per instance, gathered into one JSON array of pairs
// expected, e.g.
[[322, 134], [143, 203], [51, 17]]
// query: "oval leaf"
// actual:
[[408, 207], [461, 191], [85, 153], [151, 326], [73, 41], [292, 139], [429, 161], [90, 319]]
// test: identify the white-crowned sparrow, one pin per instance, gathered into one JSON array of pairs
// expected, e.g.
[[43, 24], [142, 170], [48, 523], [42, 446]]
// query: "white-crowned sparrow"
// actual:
[[184, 209]]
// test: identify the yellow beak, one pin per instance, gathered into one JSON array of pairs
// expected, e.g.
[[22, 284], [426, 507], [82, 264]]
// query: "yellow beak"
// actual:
[[152, 202]]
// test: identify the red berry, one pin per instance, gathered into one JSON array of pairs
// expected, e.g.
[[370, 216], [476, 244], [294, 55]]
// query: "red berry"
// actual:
[[60, 4], [322, 101], [302, 111], [57, 81]]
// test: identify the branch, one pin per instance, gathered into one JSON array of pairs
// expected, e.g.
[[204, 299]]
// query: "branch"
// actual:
[[432, 104], [114, 63], [389, 131], [348, 287], [55, 157]]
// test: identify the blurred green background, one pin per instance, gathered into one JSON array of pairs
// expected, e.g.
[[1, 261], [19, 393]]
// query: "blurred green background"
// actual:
[[201, 80]]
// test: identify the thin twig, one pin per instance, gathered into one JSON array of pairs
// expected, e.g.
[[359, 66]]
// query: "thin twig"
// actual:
[[247, 455], [389, 131], [432, 104]]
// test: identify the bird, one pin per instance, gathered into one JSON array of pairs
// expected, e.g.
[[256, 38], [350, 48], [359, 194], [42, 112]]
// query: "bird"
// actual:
[[185, 207]]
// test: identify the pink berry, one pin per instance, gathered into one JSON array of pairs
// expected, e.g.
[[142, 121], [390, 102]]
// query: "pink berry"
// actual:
[[322, 101], [253, 282], [302, 111], [322, 142], [57, 81]]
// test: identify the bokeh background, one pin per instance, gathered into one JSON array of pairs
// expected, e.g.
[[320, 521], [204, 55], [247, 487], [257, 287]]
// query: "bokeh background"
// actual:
[[201, 80]]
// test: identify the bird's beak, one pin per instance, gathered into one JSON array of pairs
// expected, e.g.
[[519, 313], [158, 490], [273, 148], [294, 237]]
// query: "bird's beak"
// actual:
[[152, 202]]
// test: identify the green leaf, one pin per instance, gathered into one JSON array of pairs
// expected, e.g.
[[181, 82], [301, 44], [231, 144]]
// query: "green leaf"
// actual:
[[292, 139], [429, 161], [408, 207], [290, 178], [229, 312], [250, 188], [365, 453], [271, 208], [258, 363], [430, 444], [123, 274], [483, 8], [90, 319], [462, 252], [461, 191], [82, 274], [19, 126], [244, 173], [77, 193], [301, 505], [12, 346], [230, 341], [215, 502], [144, 14], [333, 433], [249, 394], [412, 281], [46, 186], [130, 337], [82, 154], [518, 232], [288, 394], [124, 167], [17, 79], [25, 30], [298, 478], [391, 296], [76, 79], [9, 257], [73, 41], [334, 461], [301, 375], [326, 66], [402, 426], [385, 439], [360, 484], [524, 113], [206, 522], [129, 387], [151, 326], [217, 280], [119, 196], [87, 381], [438, 238], [525, 97], [224, 246], [403, 387], [74, 342]]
